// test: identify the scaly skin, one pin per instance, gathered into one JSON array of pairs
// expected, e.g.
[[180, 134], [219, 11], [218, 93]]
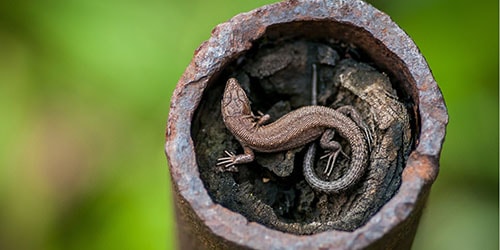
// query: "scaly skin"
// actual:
[[293, 130]]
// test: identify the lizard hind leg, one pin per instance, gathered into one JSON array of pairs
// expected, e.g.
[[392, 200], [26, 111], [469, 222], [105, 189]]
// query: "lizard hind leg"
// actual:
[[333, 149], [352, 113]]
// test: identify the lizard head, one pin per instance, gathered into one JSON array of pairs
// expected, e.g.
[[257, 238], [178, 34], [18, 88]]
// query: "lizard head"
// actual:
[[235, 101]]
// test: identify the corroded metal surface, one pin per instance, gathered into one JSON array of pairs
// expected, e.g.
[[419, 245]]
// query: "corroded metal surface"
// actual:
[[204, 224]]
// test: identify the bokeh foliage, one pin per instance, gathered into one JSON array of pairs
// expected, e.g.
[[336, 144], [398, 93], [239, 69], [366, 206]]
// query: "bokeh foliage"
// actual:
[[84, 96]]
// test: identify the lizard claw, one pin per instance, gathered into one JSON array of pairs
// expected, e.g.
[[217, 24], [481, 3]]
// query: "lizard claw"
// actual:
[[260, 119], [228, 162], [332, 157], [368, 135]]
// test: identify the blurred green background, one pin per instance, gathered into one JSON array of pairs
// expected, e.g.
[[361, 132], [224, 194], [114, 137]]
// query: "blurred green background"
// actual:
[[85, 88]]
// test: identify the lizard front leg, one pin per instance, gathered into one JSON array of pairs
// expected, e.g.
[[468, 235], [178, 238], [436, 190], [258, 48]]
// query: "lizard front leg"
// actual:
[[228, 163], [232, 159], [260, 119]]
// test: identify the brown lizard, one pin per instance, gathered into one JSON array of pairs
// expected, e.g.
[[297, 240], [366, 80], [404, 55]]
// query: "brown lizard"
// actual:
[[293, 130]]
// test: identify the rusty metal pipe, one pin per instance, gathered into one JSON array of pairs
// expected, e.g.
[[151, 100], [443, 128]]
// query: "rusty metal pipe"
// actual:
[[203, 224]]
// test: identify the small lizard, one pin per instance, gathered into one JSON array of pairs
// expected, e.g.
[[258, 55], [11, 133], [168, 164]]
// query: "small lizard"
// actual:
[[293, 130]]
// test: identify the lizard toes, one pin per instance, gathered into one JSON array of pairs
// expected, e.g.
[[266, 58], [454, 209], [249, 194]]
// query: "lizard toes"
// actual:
[[368, 136], [226, 166], [225, 160], [230, 154]]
